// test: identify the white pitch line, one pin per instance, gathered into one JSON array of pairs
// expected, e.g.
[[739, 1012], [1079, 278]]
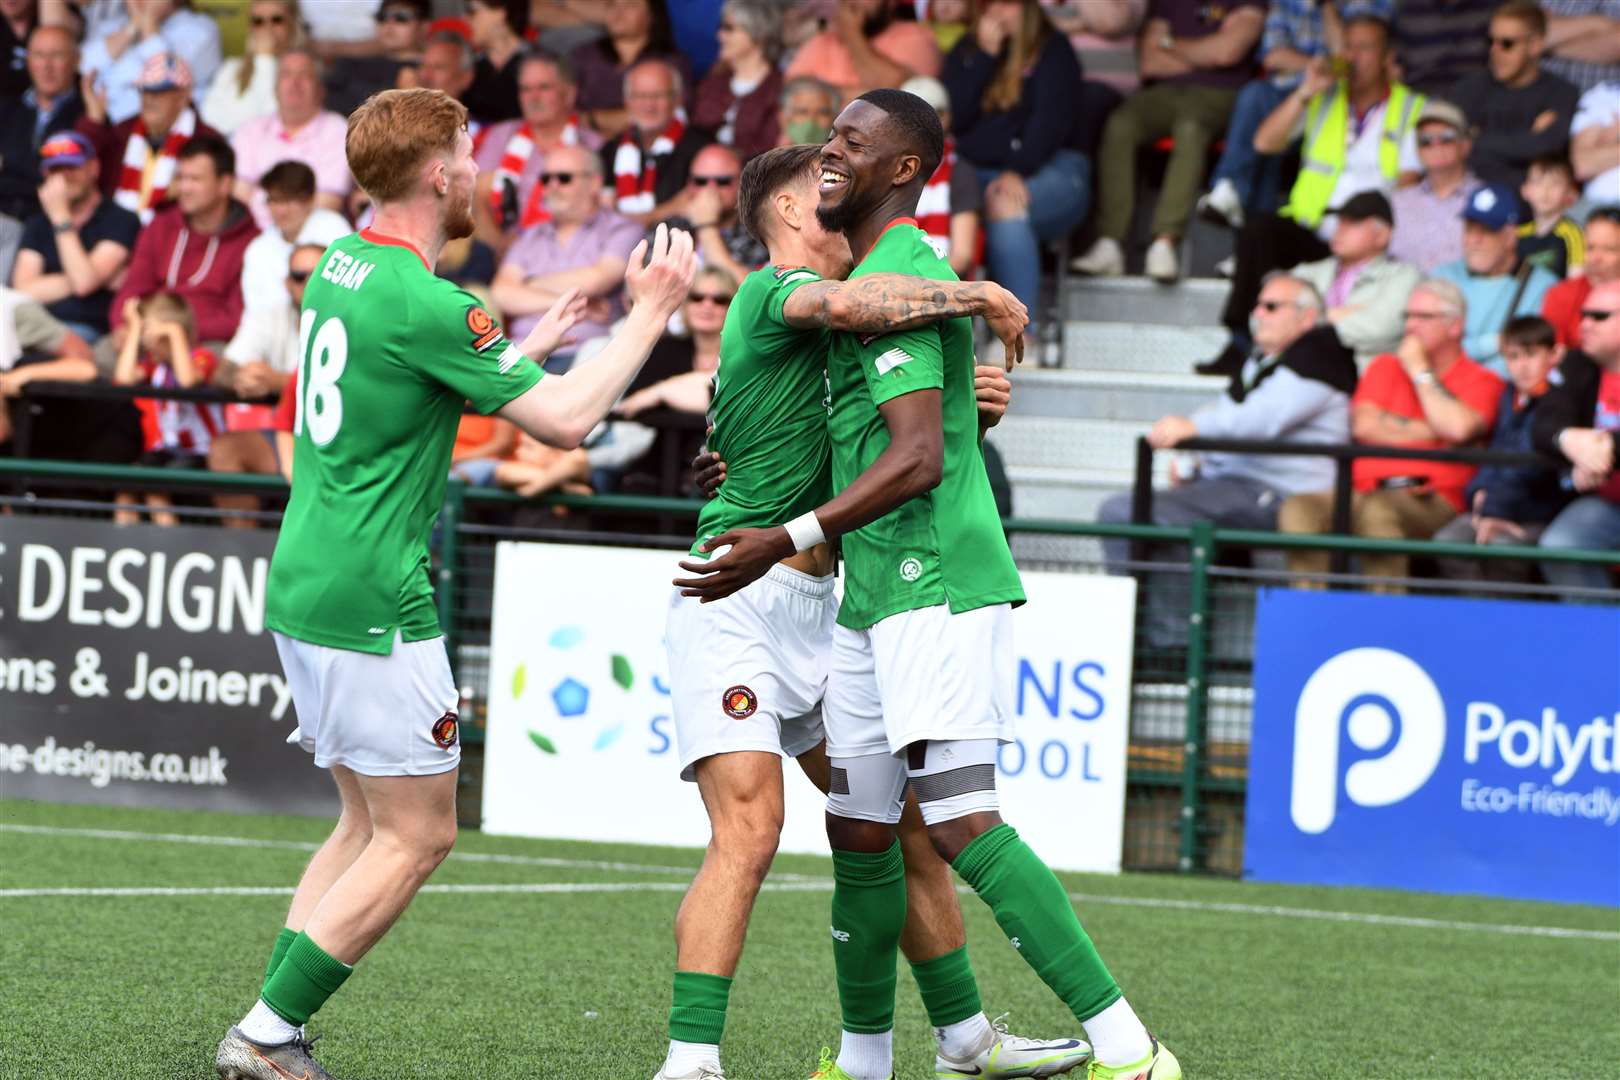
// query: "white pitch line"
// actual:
[[1367, 918], [564, 887]]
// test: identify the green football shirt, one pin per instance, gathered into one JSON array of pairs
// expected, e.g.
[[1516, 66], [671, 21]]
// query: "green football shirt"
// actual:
[[769, 410], [388, 354], [945, 547]]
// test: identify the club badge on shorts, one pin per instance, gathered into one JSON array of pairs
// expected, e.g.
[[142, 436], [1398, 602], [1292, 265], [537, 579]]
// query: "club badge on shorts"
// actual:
[[444, 730], [739, 702]]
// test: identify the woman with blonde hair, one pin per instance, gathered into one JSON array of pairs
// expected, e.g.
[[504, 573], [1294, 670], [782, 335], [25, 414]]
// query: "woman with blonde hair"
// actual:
[[1012, 83], [245, 86]]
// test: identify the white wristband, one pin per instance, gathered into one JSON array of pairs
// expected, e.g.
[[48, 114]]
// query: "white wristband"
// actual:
[[806, 531]]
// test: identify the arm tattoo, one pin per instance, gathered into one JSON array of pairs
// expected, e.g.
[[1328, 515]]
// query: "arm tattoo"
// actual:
[[880, 303]]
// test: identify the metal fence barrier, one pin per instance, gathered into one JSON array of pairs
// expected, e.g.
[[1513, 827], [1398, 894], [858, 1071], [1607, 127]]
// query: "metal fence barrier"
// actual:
[[1191, 691]]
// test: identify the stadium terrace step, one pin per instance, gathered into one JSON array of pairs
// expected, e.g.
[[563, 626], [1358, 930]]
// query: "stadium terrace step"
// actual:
[[1138, 347], [1194, 302], [1107, 446], [1108, 395], [1062, 494]]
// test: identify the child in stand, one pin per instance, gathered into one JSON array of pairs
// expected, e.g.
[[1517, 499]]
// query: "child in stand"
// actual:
[[1551, 239], [158, 351]]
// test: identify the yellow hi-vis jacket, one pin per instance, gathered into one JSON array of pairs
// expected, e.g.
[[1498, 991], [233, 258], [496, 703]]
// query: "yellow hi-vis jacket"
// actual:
[[1327, 140]]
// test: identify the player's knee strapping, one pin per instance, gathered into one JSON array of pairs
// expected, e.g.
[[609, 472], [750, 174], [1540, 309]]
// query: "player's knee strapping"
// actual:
[[953, 778], [869, 788]]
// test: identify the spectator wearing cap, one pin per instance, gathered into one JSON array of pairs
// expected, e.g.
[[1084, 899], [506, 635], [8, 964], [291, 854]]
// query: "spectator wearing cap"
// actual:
[[1522, 112], [866, 47], [140, 153], [579, 246], [50, 103], [1584, 39], [1438, 42], [513, 154], [637, 30], [193, 248], [1426, 395], [1496, 283], [1012, 83], [1360, 134], [1594, 143], [1296, 31], [79, 244], [245, 86], [1194, 57], [402, 30], [737, 99], [1578, 427], [647, 166], [289, 191], [1426, 213], [1563, 302], [117, 62], [948, 210], [299, 130], [806, 111], [497, 33], [1364, 289]]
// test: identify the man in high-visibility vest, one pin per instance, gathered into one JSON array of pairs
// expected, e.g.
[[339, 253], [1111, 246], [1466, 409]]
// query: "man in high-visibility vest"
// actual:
[[1359, 133]]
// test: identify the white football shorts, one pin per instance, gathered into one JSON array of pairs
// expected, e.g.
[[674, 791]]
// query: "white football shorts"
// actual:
[[748, 672], [391, 715]]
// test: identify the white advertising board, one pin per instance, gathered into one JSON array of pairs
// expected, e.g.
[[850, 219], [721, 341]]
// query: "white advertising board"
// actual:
[[581, 742]]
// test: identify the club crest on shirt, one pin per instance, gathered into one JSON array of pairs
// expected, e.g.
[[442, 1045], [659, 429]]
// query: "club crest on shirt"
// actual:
[[739, 702], [445, 731], [485, 332]]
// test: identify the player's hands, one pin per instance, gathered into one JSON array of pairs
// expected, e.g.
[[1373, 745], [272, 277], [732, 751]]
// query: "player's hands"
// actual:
[[992, 390], [661, 285], [1007, 318], [54, 198], [753, 552], [708, 471], [554, 325]]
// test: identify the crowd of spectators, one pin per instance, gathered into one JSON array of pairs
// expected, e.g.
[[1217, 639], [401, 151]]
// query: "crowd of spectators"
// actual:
[[1423, 198]]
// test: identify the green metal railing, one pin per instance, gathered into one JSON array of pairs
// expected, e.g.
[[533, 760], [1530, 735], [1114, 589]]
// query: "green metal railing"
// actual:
[[1189, 714]]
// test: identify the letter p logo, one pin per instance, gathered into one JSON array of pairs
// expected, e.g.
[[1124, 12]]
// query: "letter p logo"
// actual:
[[1386, 704]]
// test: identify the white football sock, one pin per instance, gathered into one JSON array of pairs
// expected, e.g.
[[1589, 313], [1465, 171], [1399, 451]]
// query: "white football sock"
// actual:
[[965, 1038], [1117, 1036], [685, 1057], [264, 1027], [867, 1057]]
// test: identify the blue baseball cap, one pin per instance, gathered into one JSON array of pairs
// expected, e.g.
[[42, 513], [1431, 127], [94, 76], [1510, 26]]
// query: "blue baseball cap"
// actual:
[[65, 149], [1494, 206]]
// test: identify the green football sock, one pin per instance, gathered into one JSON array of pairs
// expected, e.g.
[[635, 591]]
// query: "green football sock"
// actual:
[[949, 991], [868, 913], [697, 1012], [308, 975], [1035, 914], [284, 939]]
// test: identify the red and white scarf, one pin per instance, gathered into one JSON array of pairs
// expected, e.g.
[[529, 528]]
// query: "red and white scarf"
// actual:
[[634, 176], [180, 425], [934, 204], [514, 159], [136, 151]]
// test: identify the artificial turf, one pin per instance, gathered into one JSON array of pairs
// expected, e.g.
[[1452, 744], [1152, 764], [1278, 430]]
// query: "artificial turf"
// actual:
[[489, 985]]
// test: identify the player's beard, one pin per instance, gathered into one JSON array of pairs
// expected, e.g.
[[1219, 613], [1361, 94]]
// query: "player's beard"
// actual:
[[844, 213], [458, 219]]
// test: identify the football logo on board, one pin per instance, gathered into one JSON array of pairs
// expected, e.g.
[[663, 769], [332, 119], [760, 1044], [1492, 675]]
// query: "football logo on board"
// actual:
[[739, 702], [485, 332], [444, 730]]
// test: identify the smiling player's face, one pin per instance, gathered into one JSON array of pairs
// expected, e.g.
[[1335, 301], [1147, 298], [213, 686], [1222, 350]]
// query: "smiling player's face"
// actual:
[[855, 166], [831, 248]]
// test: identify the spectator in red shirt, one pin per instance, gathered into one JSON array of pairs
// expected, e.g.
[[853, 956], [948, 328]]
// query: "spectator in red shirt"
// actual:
[[1579, 426], [1428, 395], [1562, 304]]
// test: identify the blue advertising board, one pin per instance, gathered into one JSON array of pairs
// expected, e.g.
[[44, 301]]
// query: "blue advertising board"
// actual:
[[1448, 745]]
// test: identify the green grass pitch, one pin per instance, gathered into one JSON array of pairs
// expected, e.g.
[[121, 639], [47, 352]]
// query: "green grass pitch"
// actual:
[[552, 959]]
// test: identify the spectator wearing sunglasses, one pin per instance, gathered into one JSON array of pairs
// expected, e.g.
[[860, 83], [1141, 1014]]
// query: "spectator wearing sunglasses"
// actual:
[[1563, 303], [401, 27], [738, 96], [708, 209], [581, 246], [1576, 427], [1584, 39], [1521, 110], [1426, 234], [245, 86]]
